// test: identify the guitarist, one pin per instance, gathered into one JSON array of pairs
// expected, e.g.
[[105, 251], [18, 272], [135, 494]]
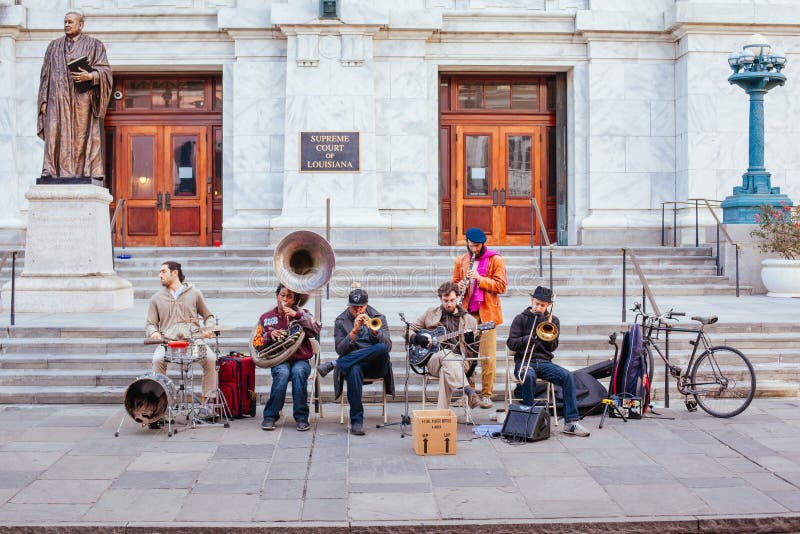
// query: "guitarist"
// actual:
[[448, 365]]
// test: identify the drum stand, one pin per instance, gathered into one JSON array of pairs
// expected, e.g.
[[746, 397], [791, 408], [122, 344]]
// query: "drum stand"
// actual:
[[187, 401]]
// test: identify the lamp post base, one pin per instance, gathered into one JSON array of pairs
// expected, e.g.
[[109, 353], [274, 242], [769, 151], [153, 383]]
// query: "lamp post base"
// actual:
[[742, 208]]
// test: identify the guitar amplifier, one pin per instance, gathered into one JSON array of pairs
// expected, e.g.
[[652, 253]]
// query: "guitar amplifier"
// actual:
[[526, 423]]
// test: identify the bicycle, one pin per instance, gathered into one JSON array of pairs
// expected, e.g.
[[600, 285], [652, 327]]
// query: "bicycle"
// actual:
[[721, 379]]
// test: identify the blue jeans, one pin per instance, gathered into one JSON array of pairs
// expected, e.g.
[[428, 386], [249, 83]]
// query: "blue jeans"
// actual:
[[369, 362], [554, 374], [299, 372]]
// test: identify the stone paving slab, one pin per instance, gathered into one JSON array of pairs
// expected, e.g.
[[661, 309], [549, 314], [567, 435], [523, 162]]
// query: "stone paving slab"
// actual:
[[688, 472]]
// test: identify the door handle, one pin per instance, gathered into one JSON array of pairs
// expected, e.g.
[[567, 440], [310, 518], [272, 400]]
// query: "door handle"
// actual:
[[160, 202], [494, 198], [166, 208], [503, 197]]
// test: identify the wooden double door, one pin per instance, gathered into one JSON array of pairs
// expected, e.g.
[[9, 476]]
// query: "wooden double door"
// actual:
[[164, 175], [498, 169]]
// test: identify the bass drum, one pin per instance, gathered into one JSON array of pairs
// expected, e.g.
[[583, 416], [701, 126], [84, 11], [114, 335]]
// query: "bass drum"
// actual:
[[149, 398]]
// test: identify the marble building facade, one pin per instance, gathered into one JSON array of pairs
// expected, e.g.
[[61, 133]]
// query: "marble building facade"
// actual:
[[650, 116]]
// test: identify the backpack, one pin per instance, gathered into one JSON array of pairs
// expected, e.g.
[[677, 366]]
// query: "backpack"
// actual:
[[630, 380]]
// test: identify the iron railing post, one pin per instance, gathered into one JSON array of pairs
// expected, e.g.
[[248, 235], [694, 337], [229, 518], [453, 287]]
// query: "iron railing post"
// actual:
[[663, 207], [644, 301], [550, 248], [13, 282], [737, 270], [696, 224], [666, 369], [719, 264], [624, 258], [675, 224], [328, 239], [540, 259]]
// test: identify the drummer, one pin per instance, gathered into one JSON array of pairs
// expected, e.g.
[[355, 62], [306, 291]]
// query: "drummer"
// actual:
[[174, 314]]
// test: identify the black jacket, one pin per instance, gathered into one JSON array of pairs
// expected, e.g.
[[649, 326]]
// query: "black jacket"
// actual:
[[344, 345], [518, 337]]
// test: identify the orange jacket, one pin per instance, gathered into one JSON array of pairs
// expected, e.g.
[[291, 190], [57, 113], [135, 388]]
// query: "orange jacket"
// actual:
[[493, 285]]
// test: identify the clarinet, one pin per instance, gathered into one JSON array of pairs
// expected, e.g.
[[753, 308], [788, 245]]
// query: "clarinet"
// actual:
[[466, 279]]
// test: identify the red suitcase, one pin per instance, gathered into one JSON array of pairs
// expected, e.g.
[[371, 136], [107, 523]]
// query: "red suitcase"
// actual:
[[237, 381]]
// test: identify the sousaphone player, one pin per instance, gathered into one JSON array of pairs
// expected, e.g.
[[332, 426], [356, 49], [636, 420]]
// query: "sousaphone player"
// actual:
[[279, 325]]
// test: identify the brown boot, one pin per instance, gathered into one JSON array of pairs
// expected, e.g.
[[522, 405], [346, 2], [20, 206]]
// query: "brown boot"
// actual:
[[474, 400]]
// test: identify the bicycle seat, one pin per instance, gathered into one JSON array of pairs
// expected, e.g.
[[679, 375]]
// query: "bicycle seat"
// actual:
[[706, 320]]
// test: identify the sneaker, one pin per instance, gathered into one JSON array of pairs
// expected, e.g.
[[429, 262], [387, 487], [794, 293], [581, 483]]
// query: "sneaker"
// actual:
[[576, 429], [486, 402], [324, 368], [474, 400], [357, 429], [302, 426], [268, 424]]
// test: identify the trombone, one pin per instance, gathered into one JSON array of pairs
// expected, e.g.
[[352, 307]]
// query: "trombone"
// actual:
[[544, 331]]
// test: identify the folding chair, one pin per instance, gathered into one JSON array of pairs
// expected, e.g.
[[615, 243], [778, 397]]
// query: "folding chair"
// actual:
[[367, 382], [550, 395], [315, 381]]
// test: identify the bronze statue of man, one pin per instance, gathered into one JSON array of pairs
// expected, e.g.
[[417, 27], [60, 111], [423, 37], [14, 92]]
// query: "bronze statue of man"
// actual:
[[74, 91]]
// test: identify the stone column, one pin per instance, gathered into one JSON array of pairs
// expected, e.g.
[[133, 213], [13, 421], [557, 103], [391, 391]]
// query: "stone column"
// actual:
[[68, 264], [12, 226]]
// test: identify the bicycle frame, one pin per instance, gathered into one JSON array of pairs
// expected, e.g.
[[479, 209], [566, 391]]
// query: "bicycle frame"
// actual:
[[651, 325]]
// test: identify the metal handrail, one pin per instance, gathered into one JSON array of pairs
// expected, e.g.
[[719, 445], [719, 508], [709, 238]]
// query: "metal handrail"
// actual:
[[686, 204], [542, 233], [737, 246], [646, 291], [120, 203], [695, 202], [3, 261]]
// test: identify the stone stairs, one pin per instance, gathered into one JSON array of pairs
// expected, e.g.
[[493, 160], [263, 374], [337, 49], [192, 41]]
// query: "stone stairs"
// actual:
[[395, 272], [95, 365]]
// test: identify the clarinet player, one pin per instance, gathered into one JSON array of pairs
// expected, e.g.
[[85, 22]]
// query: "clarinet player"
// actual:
[[481, 277]]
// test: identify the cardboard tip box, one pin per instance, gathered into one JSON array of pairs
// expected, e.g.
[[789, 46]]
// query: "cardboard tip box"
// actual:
[[434, 432]]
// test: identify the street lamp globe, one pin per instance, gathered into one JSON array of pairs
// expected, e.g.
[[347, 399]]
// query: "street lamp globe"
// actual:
[[758, 44]]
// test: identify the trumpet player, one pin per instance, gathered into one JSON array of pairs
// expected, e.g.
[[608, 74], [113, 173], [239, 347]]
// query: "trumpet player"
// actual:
[[481, 277], [534, 357], [363, 344], [273, 327]]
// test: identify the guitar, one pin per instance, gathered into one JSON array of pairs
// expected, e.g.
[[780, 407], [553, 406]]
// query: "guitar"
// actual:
[[418, 355]]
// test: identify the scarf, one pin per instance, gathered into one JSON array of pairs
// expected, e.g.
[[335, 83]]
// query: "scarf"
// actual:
[[476, 299]]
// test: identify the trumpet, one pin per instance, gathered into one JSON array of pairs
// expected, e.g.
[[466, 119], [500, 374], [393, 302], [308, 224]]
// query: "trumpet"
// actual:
[[374, 324], [544, 331]]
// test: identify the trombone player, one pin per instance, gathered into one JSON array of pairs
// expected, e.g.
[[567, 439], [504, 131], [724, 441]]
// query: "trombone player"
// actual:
[[534, 337], [362, 341]]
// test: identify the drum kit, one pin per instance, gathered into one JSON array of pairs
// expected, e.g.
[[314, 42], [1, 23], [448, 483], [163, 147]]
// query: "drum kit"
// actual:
[[303, 262], [154, 399]]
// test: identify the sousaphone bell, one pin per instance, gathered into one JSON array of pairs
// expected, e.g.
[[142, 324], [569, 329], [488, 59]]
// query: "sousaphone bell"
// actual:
[[303, 262]]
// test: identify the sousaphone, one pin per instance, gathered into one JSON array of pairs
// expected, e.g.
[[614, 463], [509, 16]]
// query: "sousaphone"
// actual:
[[303, 262]]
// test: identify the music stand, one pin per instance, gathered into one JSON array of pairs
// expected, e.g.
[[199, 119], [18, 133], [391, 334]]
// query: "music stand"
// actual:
[[404, 418]]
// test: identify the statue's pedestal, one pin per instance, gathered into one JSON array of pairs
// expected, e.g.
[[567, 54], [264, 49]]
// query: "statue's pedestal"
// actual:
[[68, 263]]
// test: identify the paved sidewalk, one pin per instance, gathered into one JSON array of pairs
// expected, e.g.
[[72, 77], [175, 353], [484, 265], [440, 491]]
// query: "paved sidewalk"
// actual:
[[61, 466]]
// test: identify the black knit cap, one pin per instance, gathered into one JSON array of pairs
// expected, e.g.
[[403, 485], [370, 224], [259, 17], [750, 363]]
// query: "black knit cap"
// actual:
[[545, 294], [357, 297]]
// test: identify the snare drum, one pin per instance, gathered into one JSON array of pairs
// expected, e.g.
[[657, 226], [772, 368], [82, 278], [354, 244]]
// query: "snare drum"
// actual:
[[149, 397], [184, 352]]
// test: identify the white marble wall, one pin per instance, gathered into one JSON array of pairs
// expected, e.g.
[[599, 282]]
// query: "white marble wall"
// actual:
[[651, 116], [631, 141]]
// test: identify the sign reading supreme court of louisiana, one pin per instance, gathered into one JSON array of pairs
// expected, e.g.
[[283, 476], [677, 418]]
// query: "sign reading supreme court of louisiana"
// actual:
[[330, 152]]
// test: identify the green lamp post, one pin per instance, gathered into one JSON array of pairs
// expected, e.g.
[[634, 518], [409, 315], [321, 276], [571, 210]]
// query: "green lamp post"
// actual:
[[756, 69]]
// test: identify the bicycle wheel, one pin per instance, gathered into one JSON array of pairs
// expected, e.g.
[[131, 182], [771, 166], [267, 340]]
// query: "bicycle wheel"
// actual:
[[723, 382]]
